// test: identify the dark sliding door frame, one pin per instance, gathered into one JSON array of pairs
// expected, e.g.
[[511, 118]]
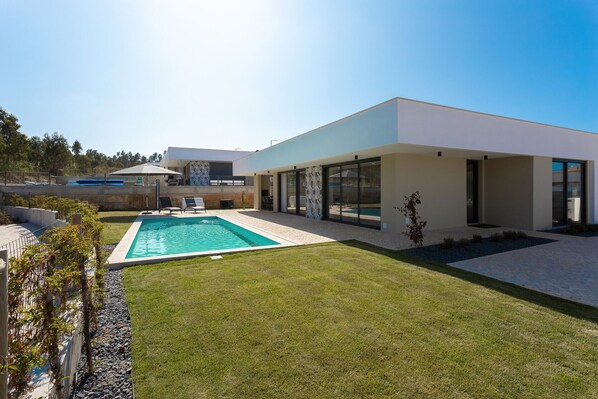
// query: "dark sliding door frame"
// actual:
[[584, 194], [325, 191], [475, 193], [297, 191]]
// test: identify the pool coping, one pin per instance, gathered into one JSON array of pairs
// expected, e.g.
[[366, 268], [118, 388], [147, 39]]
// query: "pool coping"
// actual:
[[118, 257]]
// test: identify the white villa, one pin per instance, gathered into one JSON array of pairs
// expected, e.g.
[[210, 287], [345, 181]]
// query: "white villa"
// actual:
[[469, 167]]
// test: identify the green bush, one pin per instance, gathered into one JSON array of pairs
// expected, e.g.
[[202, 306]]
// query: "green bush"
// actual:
[[496, 237], [60, 258], [593, 228], [521, 235], [5, 219], [510, 235], [569, 230], [463, 242], [582, 228], [476, 238], [448, 242]]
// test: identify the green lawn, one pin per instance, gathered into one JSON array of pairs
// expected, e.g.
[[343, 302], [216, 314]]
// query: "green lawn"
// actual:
[[351, 321], [116, 224]]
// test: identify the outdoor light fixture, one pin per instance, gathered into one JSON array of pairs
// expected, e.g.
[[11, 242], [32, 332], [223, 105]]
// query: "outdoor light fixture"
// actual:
[[439, 153], [268, 172], [356, 157], [294, 167], [485, 157]]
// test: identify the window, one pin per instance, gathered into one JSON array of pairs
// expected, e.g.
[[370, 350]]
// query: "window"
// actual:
[[568, 192], [352, 193]]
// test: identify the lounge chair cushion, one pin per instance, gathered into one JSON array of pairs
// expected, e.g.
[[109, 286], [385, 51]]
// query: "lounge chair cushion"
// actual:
[[166, 205], [195, 203]]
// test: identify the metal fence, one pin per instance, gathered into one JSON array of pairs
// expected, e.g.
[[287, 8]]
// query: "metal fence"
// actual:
[[28, 178], [16, 247]]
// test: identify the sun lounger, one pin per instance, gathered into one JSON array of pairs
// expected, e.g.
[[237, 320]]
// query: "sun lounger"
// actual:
[[166, 205], [195, 203]]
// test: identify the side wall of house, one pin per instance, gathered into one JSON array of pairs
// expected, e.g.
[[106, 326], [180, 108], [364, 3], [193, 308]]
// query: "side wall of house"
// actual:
[[441, 182], [509, 192]]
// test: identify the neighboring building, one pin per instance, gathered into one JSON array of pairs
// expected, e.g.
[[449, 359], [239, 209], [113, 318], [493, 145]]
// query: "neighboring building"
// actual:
[[469, 167], [202, 167]]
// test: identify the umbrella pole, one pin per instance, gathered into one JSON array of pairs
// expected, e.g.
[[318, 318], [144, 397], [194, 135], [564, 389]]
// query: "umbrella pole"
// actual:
[[147, 211]]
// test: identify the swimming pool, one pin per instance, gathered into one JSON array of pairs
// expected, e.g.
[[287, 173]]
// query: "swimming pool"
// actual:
[[171, 236]]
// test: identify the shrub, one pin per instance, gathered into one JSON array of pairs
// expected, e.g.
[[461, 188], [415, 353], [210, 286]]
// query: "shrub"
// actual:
[[593, 227], [463, 242], [447, 242], [510, 235], [582, 228], [37, 316], [496, 237], [521, 234], [415, 228], [5, 219], [569, 230], [476, 238]]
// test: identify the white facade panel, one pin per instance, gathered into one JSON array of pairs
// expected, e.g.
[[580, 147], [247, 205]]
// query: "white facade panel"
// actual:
[[371, 128], [439, 126]]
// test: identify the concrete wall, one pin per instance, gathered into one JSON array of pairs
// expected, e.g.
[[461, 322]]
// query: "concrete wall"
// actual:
[[441, 182], [40, 217], [133, 198]]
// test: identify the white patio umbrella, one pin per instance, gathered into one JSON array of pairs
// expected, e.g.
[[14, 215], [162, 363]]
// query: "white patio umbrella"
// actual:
[[145, 170]]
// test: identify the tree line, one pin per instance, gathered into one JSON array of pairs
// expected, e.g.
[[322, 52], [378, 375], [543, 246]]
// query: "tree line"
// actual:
[[53, 153]]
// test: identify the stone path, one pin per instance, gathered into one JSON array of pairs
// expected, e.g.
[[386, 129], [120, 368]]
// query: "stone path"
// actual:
[[567, 268]]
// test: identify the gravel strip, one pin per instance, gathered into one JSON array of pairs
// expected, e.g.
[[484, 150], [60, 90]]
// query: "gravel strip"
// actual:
[[473, 250], [111, 348]]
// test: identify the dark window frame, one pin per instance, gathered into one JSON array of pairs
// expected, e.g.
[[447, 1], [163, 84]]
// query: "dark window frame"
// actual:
[[584, 198], [475, 188], [297, 191], [325, 182]]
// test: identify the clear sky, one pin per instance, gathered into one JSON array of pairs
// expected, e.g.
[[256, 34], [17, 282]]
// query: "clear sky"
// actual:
[[143, 75]]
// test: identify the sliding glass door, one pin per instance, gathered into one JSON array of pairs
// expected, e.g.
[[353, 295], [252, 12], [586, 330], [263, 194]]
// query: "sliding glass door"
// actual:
[[292, 192], [353, 193], [568, 192]]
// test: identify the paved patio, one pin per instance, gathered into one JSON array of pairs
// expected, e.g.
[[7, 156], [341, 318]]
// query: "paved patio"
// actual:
[[567, 268]]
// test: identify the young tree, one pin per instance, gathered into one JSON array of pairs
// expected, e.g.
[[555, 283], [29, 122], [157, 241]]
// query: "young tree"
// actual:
[[14, 146], [77, 148], [36, 152], [57, 152]]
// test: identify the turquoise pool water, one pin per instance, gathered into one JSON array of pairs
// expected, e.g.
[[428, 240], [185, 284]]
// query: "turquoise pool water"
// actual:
[[170, 236]]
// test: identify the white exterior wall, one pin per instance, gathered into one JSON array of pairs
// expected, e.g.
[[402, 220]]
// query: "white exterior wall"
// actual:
[[374, 127], [438, 126], [441, 182], [408, 128]]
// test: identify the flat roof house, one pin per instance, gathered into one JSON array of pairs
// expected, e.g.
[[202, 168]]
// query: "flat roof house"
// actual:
[[202, 167], [468, 166]]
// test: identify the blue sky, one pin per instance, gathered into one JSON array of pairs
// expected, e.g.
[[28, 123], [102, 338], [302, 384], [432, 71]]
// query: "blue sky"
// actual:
[[143, 75]]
